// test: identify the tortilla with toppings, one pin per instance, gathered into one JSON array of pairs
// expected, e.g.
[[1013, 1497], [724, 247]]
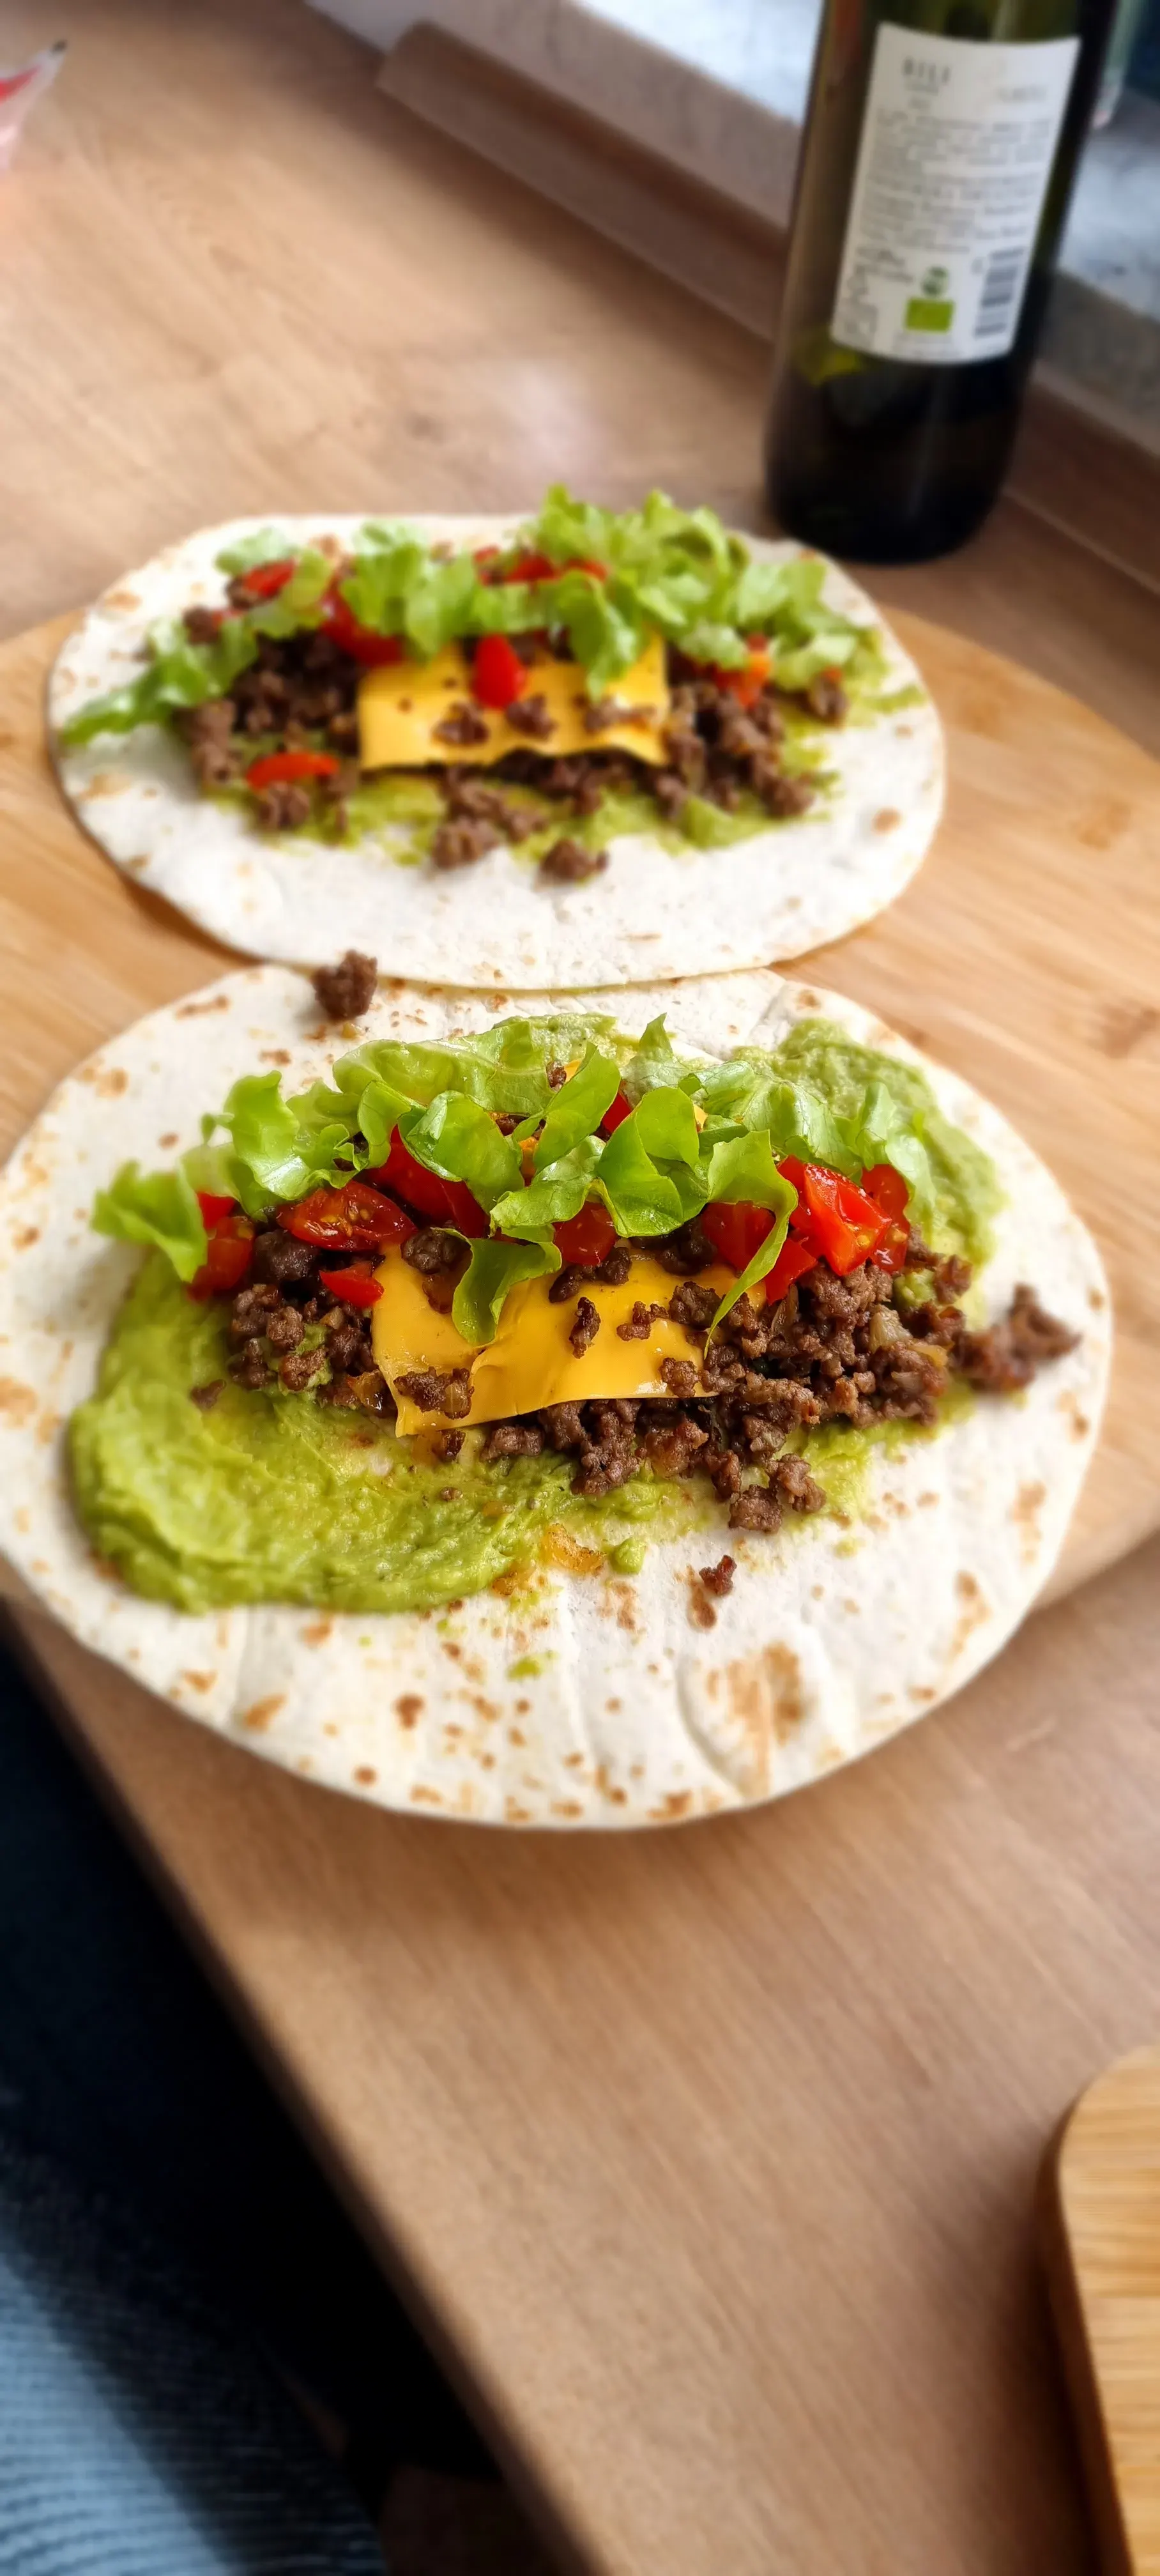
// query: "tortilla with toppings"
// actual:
[[514, 1419], [593, 749]]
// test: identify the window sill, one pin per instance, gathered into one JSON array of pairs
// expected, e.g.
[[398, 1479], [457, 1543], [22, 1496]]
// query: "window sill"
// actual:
[[722, 104]]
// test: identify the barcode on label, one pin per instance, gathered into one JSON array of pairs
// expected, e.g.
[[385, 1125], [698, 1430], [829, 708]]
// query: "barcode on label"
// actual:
[[1000, 286]]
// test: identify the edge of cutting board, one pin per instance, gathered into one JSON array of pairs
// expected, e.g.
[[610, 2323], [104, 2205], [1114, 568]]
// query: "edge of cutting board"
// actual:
[[1100, 2231]]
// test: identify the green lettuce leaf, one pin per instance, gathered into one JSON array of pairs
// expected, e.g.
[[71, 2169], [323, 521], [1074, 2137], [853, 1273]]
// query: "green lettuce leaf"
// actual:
[[575, 1111], [180, 674], [744, 1168], [461, 1141], [298, 603], [556, 1193], [277, 1155], [266, 545], [157, 1208], [401, 588], [653, 1065], [640, 1198], [495, 1268]]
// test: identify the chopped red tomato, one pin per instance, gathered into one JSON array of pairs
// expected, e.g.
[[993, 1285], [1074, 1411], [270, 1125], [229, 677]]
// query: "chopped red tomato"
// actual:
[[736, 1228], [889, 1192], [747, 682], [537, 567], [837, 1221], [615, 1114], [793, 1261], [361, 642], [264, 581], [498, 677], [355, 1218], [587, 1238], [228, 1253], [213, 1208], [355, 1286], [276, 766], [442, 1202]]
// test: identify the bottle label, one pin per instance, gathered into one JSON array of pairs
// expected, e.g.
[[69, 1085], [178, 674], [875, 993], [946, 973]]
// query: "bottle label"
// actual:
[[956, 152]]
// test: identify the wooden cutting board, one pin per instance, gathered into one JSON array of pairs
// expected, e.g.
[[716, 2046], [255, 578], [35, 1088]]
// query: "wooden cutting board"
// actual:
[[1026, 954], [1101, 2222]]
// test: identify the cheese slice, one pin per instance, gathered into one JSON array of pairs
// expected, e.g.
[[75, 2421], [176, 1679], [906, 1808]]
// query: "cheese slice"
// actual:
[[530, 1361], [400, 705]]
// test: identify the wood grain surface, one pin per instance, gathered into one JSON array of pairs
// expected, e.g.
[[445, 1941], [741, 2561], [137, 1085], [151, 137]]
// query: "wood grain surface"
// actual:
[[1025, 954], [708, 2161], [1102, 2239]]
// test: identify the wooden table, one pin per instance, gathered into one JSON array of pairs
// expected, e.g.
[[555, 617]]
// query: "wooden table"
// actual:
[[707, 2160]]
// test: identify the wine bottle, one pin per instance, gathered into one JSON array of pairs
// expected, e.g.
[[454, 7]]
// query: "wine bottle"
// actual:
[[938, 157]]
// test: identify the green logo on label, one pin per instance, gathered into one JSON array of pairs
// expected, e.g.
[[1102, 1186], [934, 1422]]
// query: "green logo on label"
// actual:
[[929, 313]]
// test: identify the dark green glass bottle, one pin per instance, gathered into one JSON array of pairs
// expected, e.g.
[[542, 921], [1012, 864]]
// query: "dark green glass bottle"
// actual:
[[939, 152]]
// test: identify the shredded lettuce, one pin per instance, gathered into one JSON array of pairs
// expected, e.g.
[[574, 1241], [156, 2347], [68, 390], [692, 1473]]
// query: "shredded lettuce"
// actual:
[[154, 1208], [696, 1132], [495, 1268], [265, 545], [659, 570]]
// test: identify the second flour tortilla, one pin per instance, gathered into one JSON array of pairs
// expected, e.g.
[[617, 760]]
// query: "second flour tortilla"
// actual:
[[602, 1701], [652, 913]]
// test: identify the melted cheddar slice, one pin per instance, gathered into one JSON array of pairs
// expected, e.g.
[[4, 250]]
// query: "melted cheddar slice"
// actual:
[[400, 705], [530, 1361]]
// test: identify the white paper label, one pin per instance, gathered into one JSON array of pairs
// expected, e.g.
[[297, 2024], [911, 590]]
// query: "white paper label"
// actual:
[[956, 152]]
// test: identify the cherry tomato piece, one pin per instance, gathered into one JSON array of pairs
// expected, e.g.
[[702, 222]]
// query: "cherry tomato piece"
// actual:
[[498, 677], [355, 1218], [228, 1254], [587, 1238], [839, 1221], [355, 1286], [736, 1228], [213, 1208], [441, 1202], [363, 644], [793, 1261], [887, 1189], [615, 1114], [264, 581], [274, 766]]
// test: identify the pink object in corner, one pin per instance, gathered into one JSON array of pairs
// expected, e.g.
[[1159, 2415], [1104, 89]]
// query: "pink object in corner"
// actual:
[[18, 89]]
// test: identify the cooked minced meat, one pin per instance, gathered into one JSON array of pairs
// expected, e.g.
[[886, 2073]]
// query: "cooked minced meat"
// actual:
[[718, 1579], [585, 1327], [438, 1391], [569, 863], [345, 991], [302, 689]]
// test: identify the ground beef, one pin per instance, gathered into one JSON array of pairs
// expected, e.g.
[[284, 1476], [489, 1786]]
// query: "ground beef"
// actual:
[[679, 1376], [433, 1249], [718, 1579], [533, 717], [365, 1393], [755, 1509], [685, 1251], [575, 1275], [469, 798], [251, 1309], [345, 991], [284, 1329], [348, 1347], [202, 625], [608, 1449], [205, 1397], [569, 863], [208, 729], [280, 1261], [299, 1367], [671, 1448], [585, 1327], [446, 1445], [1008, 1353], [284, 804], [639, 1324], [694, 1307], [459, 845], [462, 725], [826, 698], [438, 1391], [512, 1440], [556, 1076], [251, 1368]]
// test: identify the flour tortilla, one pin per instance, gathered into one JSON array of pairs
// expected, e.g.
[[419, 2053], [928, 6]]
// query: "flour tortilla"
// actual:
[[493, 927], [832, 1638]]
